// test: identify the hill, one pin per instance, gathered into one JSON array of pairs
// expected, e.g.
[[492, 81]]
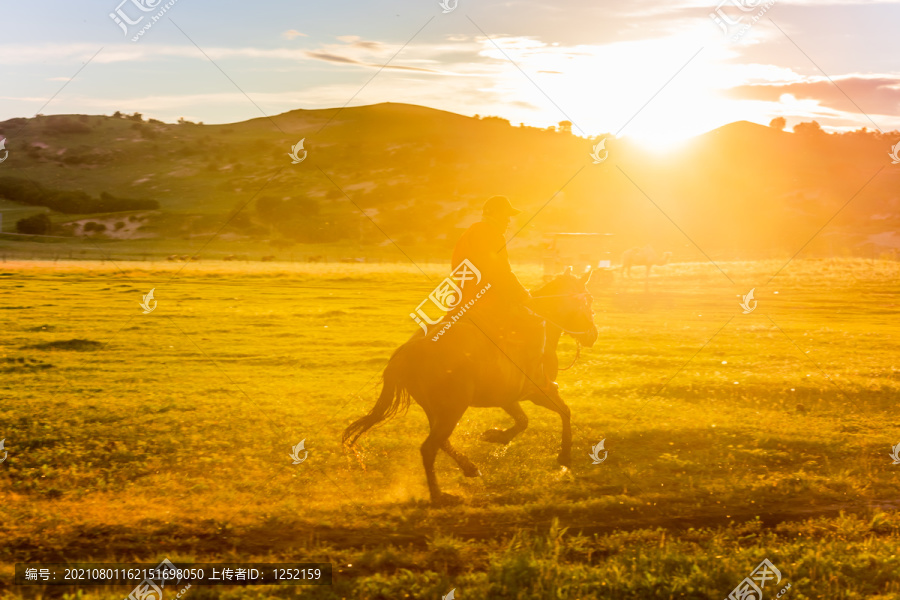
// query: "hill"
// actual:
[[421, 175]]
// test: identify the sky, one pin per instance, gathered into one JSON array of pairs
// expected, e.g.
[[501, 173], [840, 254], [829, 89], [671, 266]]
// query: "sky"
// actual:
[[656, 71]]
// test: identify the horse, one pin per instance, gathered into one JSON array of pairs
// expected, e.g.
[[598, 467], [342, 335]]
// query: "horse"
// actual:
[[646, 257], [466, 367]]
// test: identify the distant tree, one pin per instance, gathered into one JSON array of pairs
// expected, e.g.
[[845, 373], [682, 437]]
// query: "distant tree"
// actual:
[[117, 115], [94, 226], [778, 123], [34, 225], [810, 128], [137, 117], [155, 121], [565, 126]]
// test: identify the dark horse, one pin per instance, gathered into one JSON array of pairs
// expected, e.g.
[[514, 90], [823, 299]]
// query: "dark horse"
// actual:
[[466, 367]]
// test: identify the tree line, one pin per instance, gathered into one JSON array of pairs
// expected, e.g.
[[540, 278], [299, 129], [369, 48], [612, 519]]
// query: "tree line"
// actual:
[[70, 202]]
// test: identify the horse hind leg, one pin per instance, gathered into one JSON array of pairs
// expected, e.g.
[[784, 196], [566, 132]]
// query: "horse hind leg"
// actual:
[[443, 422], [468, 468], [504, 436]]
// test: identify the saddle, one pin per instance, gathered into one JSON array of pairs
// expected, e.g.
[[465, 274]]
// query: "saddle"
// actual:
[[519, 334]]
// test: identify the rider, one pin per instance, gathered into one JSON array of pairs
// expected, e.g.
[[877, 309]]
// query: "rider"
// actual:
[[505, 308]]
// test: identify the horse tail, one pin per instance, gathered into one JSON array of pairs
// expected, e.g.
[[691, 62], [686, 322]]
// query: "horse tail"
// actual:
[[393, 399]]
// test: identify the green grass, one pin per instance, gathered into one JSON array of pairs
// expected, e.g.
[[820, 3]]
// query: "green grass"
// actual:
[[731, 437]]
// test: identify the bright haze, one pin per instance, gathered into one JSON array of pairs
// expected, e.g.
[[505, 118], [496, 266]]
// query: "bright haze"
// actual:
[[658, 72]]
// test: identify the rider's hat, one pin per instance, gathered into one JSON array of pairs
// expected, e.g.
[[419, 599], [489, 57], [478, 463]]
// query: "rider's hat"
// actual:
[[499, 206]]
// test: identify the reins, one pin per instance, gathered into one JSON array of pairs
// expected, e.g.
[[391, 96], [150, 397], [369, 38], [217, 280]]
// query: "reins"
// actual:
[[574, 360], [568, 331]]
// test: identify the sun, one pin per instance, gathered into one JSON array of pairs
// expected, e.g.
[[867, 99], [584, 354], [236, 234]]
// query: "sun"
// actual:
[[660, 93]]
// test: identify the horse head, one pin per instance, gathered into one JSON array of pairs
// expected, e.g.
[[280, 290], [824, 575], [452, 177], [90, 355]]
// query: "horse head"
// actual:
[[566, 303]]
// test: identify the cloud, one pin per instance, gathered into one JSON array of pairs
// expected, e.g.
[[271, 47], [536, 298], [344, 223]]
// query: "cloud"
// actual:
[[335, 58], [879, 94], [357, 42], [292, 33]]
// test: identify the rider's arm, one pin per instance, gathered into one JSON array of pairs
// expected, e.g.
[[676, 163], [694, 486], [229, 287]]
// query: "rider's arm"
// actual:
[[502, 271]]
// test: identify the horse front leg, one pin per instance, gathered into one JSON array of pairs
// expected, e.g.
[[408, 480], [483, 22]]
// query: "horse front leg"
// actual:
[[565, 452], [551, 399]]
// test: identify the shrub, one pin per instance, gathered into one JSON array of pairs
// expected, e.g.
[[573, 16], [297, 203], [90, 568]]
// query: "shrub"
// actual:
[[92, 226], [35, 225]]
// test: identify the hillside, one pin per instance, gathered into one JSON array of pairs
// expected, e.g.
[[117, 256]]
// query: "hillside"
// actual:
[[421, 174]]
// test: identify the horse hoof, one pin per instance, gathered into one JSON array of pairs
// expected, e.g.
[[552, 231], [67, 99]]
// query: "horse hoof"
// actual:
[[446, 500], [495, 436], [565, 473], [565, 461]]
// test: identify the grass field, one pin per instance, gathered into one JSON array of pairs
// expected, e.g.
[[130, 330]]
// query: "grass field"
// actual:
[[732, 437]]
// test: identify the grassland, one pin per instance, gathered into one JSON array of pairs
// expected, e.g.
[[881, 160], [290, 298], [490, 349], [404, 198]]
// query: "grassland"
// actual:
[[732, 437]]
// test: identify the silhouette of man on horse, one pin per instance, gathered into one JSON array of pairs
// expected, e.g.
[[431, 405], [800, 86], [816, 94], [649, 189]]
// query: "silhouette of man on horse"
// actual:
[[505, 313], [497, 354]]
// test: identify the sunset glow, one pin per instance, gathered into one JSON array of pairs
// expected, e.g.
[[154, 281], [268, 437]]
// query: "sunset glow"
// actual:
[[457, 299]]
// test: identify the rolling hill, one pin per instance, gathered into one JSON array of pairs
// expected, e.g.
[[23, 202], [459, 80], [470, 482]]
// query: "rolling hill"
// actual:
[[419, 175]]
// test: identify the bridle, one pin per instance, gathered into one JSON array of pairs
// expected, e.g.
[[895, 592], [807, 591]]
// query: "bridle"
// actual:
[[564, 329], [574, 360]]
